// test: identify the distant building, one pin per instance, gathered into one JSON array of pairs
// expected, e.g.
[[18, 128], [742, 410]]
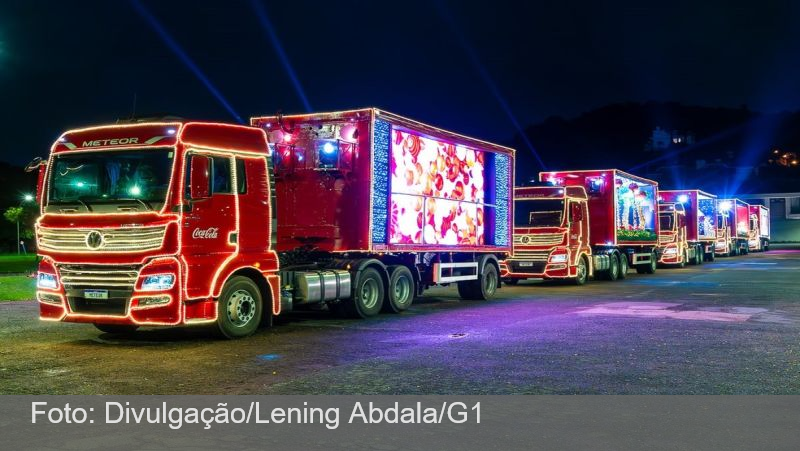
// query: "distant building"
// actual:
[[661, 140], [784, 213]]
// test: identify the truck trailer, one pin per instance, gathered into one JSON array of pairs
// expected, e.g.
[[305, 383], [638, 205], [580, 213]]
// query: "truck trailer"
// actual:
[[585, 223], [701, 218], [733, 227], [759, 228], [183, 223]]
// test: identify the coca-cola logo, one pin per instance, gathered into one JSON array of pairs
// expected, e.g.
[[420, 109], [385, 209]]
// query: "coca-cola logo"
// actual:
[[205, 234]]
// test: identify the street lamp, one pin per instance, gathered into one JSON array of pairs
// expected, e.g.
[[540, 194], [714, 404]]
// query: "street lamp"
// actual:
[[25, 198]]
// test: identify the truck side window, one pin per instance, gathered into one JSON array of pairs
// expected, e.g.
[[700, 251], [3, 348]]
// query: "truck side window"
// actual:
[[241, 177], [221, 175]]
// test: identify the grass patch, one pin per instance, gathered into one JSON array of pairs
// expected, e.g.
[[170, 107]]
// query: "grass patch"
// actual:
[[17, 288], [13, 263]]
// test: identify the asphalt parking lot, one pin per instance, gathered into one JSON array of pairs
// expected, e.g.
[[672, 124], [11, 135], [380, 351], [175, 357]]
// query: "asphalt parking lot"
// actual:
[[732, 326]]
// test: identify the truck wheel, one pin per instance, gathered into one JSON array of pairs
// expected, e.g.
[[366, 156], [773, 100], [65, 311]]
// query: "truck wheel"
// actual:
[[765, 246], [685, 259], [623, 266], [613, 268], [117, 329], [368, 296], [698, 255], [401, 289], [239, 308], [482, 289], [582, 272], [711, 256]]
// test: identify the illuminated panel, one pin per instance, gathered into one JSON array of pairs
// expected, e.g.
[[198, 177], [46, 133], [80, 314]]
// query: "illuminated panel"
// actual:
[[635, 210], [380, 180], [706, 217], [437, 191], [502, 175]]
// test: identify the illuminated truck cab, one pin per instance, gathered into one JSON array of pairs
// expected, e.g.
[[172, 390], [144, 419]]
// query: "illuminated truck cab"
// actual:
[[140, 225], [675, 248], [550, 235]]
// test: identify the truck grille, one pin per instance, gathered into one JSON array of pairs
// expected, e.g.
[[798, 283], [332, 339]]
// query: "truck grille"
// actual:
[[665, 239], [116, 280], [538, 239], [99, 276], [122, 239], [534, 256]]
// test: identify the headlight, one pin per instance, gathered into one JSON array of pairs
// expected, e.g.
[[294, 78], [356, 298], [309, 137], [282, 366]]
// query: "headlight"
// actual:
[[670, 251], [45, 280], [558, 258], [158, 282]]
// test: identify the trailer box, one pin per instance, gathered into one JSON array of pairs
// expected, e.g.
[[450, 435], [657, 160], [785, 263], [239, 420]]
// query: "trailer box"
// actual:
[[371, 181], [623, 207]]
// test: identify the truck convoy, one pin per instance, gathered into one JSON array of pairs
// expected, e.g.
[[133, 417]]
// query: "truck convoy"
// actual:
[[178, 223], [733, 227], [687, 226], [759, 228], [584, 223], [162, 223]]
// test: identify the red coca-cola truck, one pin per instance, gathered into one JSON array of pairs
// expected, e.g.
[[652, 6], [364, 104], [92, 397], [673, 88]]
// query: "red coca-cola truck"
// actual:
[[180, 223], [700, 216], [733, 227], [758, 239], [576, 224]]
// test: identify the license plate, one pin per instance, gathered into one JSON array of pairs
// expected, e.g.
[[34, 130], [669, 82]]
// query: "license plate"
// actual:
[[95, 294], [526, 264]]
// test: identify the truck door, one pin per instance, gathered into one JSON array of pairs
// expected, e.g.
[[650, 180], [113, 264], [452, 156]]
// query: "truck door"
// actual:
[[578, 228], [209, 223]]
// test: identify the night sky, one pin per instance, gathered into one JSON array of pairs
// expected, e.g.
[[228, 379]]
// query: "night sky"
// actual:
[[476, 68]]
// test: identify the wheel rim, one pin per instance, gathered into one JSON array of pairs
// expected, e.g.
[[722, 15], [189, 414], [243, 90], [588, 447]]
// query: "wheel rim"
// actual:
[[581, 269], [369, 293], [241, 308], [402, 290], [490, 283]]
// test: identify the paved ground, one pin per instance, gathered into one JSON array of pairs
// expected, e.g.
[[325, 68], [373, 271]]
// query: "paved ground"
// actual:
[[728, 327]]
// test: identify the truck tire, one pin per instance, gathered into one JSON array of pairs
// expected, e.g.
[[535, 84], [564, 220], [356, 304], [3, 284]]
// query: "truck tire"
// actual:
[[401, 289], [116, 329], [613, 268], [582, 273], [482, 289], [765, 245], [239, 308], [685, 259], [623, 267], [710, 257], [698, 255], [368, 296]]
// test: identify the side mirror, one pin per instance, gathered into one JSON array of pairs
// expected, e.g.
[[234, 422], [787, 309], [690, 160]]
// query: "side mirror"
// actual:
[[576, 213], [199, 176], [37, 164], [34, 164]]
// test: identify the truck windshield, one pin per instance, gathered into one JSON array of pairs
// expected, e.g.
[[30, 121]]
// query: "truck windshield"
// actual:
[[538, 212], [139, 177], [665, 221]]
